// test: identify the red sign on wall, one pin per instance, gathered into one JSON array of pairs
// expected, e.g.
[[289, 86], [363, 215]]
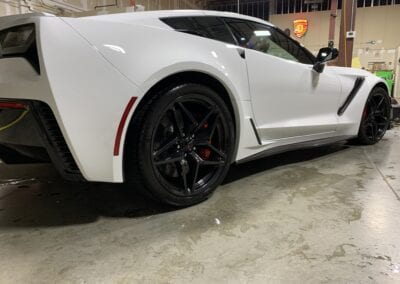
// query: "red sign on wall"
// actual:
[[300, 27]]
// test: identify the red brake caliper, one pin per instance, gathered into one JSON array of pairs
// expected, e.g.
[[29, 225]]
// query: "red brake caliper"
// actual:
[[205, 153]]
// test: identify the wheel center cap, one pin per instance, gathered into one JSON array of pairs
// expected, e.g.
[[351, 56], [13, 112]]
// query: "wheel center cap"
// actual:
[[188, 144]]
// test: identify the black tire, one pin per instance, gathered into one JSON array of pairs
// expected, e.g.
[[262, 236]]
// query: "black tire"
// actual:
[[375, 118], [180, 145]]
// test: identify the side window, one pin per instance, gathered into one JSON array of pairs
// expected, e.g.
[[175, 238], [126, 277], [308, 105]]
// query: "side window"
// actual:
[[205, 26], [268, 40]]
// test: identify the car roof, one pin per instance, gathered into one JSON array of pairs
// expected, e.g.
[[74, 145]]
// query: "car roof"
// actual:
[[143, 15]]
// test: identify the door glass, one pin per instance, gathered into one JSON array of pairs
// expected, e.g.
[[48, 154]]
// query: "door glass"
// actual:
[[268, 40]]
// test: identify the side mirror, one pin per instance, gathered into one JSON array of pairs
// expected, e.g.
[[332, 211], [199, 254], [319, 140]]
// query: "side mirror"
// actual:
[[325, 54]]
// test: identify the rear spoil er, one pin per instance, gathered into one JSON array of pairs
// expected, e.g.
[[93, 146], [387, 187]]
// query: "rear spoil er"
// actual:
[[357, 85], [121, 125]]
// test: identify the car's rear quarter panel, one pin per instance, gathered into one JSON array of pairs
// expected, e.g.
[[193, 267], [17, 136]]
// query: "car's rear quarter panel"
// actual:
[[85, 92], [148, 53], [90, 96]]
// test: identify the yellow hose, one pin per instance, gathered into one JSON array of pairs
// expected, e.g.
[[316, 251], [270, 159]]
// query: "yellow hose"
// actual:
[[2, 128]]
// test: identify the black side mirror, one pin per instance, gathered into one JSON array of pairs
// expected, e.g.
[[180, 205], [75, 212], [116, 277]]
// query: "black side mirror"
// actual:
[[325, 54]]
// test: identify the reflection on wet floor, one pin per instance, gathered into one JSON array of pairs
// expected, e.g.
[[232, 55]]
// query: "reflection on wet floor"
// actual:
[[326, 214]]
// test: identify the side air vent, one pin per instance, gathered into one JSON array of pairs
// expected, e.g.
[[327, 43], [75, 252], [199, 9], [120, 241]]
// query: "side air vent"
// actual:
[[55, 143], [357, 85]]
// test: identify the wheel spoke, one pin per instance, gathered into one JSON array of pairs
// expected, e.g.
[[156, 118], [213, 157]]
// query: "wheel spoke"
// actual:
[[188, 114], [368, 120], [165, 147], [220, 153], [184, 172], [214, 126], [380, 102], [185, 186], [207, 143], [207, 162], [173, 159], [382, 123], [205, 119], [178, 121], [213, 163], [201, 142], [370, 117], [373, 132], [381, 116], [373, 103], [196, 172]]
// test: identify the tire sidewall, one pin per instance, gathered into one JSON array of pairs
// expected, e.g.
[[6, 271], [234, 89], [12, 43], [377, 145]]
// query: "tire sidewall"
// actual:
[[362, 136]]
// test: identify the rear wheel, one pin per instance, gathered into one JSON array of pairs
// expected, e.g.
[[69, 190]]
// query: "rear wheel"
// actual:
[[375, 118], [182, 146]]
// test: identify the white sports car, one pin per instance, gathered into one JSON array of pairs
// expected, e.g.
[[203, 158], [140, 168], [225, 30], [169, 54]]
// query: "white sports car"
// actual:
[[166, 101]]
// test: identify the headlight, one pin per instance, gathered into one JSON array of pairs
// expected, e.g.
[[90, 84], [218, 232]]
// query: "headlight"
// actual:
[[16, 40]]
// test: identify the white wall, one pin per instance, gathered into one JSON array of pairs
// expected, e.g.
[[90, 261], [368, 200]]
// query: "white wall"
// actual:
[[69, 7], [379, 23], [11, 7]]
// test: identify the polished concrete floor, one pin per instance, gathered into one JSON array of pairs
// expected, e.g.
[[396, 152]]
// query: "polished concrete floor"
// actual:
[[323, 215]]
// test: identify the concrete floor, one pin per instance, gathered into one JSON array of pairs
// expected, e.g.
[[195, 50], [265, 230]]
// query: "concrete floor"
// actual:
[[323, 215]]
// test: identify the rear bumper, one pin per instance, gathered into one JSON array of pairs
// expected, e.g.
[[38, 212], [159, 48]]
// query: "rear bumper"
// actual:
[[33, 132]]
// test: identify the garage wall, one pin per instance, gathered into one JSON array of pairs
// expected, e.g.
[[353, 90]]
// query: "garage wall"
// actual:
[[171, 4], [73, 7], [9, 9], [379, 23], [12, 7]]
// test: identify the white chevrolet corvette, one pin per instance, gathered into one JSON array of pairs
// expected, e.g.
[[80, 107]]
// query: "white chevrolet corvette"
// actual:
[[166, 101]]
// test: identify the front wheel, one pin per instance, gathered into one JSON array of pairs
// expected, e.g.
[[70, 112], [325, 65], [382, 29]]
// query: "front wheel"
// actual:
[[375, 118], [184, 145]]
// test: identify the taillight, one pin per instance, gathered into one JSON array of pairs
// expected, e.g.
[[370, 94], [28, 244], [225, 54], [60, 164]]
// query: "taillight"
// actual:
[[12, 105], [20, 41]]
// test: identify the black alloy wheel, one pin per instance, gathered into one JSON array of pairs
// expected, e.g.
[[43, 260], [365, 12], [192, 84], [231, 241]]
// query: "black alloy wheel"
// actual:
[[375, 118], [185, 146]]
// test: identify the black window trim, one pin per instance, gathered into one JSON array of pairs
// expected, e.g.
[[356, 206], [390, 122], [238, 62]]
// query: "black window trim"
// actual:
[[199, 33], [229, 29]]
